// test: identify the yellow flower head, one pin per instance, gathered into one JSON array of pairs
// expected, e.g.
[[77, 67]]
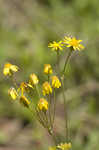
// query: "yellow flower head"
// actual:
[[48, 69], [43, 104], [56, 45], [55, 82], [46, 88], [73, 42], [13, 93], [65, 146], [33, 79], [24, 101], [24, 87], [9, 69]]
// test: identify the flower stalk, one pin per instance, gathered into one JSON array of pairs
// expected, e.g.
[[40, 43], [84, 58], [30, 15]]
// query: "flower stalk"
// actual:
[[64, 97], [66, 61]]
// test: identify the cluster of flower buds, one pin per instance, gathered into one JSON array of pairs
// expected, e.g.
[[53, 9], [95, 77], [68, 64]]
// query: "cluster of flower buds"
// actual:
[[19, 92], [43, 108]]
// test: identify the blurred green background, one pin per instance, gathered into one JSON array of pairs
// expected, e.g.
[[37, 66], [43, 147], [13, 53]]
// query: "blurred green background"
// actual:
[[26, 28]]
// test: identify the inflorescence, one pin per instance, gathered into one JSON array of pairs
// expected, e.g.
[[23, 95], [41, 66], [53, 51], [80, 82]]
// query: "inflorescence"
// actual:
[[44, 110]]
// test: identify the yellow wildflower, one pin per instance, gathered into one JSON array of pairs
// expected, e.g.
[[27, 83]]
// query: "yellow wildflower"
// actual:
[[24, 87], [55, 82], [65, 146], [73, 42], [48, 69], [43, 104], [33, 79], [9, 69], [13, 93], [24, 101], [46, 88], [56, 45]]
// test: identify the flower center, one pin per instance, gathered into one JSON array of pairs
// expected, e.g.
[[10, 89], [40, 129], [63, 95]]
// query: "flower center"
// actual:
[[56, 45], [74, 42]]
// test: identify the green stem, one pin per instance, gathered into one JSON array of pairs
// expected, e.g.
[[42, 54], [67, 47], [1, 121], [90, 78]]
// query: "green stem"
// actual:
[[50, 119], [63, 92], [54, 107], [65, 108], [58, 61], [37, 91], [41, 119], [66, 61], [48, 78], [58, 58], [36, 115], [46, 117]]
